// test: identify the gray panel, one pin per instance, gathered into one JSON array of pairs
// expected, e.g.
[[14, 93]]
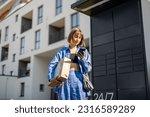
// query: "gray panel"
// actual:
[[99, 68], [104, 49], [127, 32], [124, 70], [124, 53], [126, 14], [111, 61], [98, 63], [132, 94], [103, 39], [110, 55], [124, 59], [105, 83], [102, 23], [99, 73], [131, 80], [129, 43]]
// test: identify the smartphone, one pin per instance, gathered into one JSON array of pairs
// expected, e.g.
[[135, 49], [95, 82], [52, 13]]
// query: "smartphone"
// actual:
[[82, 50]]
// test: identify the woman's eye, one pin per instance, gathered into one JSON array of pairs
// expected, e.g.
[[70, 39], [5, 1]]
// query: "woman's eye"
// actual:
[[76, 36]]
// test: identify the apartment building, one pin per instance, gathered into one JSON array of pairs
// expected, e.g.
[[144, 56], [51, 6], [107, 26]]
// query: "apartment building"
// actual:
[[31, 32]]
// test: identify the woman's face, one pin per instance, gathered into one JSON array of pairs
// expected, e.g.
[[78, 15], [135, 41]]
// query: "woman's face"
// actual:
[[76, 38]]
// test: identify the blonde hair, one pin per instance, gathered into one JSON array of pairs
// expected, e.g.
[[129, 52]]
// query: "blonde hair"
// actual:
[[73, 31]]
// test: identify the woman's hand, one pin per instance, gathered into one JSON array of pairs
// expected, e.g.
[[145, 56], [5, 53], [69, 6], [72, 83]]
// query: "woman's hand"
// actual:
[[55, 82], [81, 55]]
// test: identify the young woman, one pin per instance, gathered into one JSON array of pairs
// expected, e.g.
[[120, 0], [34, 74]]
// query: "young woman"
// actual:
[[72, 88]]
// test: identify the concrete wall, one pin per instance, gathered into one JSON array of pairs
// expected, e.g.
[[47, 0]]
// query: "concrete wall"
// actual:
[[40, 77], [146, 26], [8, 87]]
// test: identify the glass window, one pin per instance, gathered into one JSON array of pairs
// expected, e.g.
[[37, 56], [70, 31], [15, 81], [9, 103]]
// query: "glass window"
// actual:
[[22, 89], [37, 39], [22, 45], [0, 36], [41, 87], [16, 18], [3, 69], [6, 33], [14, 57], [12, 73], [75, 20], [14, 37], [40, 15], [58, 7]]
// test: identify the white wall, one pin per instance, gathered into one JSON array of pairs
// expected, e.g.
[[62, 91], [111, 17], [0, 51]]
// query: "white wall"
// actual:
[[7, 87], [146, 25], [2, 88], [40, 77]]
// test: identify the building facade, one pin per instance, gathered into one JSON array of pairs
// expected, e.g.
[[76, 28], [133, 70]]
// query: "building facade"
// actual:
[[31, 32]]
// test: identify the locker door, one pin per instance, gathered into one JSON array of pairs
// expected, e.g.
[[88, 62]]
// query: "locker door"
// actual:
[[129, 51], [104, 73], [118, 53]]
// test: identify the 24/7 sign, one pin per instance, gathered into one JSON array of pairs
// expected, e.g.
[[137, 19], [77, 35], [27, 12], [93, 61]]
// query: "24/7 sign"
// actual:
[[104, 96]]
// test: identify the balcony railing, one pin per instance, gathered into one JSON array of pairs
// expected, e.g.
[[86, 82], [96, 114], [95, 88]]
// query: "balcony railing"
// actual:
[[24, 73]]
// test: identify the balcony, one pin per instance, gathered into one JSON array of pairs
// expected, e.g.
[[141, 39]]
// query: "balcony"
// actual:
[[56, 31], [26, 23], [4, 54], [24, 68]]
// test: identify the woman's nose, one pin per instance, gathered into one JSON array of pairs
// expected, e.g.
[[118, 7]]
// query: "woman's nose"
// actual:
[[76, 39]]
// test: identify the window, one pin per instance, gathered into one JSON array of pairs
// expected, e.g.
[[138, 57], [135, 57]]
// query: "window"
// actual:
[[12, 73], [58, 7], [22, 89], [75, 20], [14, 58], [41, 88], [6, 33], [22, 45], [3, 69], [37, 39], [40, 15], [0, 36], [14, 37], [4, 54], [16, 18]]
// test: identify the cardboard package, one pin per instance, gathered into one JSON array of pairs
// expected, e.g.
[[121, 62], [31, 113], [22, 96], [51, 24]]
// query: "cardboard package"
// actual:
[[63, 68]]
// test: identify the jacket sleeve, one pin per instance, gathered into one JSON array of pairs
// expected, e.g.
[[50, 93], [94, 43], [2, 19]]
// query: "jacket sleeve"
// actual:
[[52, 65], [86, 62]]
